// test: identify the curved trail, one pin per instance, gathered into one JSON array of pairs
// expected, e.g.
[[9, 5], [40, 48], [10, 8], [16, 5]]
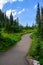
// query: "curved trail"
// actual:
[[16, 55]]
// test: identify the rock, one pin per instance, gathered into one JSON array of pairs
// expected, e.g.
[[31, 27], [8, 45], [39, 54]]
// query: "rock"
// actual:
[[31, 61]]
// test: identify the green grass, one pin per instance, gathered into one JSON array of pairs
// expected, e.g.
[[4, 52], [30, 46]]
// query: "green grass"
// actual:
[[6, 44], [33, 47], [13, 36], [10, 39], [28, 31]]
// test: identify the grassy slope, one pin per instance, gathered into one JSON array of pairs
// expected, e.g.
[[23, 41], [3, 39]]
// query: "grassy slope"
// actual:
[[33, 48], [10, 39]]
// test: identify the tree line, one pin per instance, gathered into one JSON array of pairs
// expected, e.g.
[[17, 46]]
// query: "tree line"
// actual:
[[10, 25]]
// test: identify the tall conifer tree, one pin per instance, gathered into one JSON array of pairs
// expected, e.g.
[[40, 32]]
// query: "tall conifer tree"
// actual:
[[38, 21]]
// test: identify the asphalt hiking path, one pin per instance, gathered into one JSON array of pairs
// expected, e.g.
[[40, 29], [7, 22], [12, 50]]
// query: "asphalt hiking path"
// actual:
[[16, 55]]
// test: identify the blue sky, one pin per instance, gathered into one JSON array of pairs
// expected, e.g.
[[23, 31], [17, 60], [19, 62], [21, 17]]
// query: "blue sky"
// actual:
[[25, 10]]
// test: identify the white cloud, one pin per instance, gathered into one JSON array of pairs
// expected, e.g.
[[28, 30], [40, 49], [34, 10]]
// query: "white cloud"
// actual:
[[8, 12], [14, 12], [3, 2], [21, 11], [12, 1], [35, 6]]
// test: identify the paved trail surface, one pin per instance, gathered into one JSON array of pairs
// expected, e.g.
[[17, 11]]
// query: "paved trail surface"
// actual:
[[16, 55]]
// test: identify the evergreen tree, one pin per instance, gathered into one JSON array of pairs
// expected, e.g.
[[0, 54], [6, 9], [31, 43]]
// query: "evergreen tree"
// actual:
[[10, 25], [42, 22], [38, 21], [11, 19], [2, 23], [26, 26], [16, 25]]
